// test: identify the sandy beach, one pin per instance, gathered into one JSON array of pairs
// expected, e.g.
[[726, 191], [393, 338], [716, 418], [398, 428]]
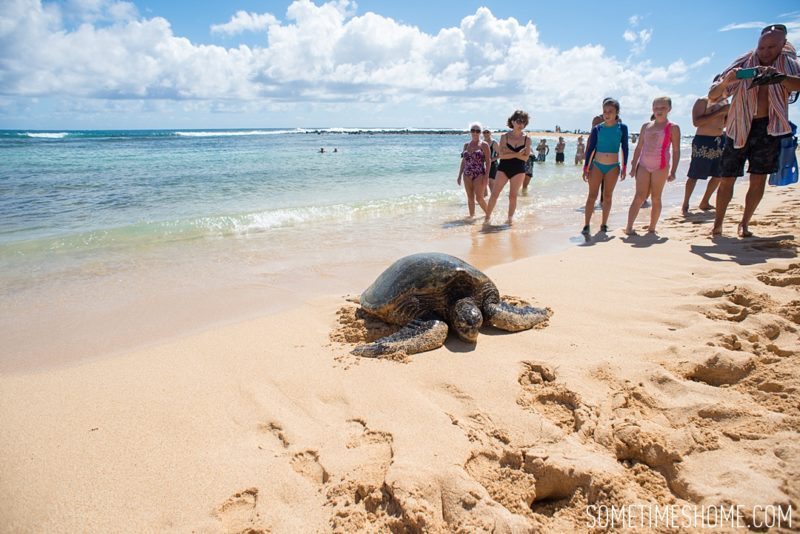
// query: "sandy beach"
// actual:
[[667, 376]]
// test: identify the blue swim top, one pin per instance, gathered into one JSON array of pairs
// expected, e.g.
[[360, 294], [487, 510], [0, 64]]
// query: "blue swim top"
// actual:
[[608, 139]]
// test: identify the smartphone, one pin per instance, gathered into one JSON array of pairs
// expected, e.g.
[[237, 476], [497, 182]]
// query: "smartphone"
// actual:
[[744, 74]]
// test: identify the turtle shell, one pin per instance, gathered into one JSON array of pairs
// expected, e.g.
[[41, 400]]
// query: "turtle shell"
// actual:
[[423, 285]]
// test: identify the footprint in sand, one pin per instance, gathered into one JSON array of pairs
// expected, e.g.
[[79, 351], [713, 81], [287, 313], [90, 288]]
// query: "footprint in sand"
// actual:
[[276, 430], [542, 394], [788, 277], [307, 463], [737, 304], [359, 498], [238, 513]]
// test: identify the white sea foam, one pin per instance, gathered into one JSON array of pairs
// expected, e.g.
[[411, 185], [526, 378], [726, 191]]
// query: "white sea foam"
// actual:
[[234, 133], [47, 135]]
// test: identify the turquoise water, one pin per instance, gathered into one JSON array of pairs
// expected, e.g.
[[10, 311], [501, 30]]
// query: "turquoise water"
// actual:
[[100, 223]]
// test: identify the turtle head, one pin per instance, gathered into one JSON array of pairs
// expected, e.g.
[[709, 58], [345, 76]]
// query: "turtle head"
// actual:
[[466, 318]]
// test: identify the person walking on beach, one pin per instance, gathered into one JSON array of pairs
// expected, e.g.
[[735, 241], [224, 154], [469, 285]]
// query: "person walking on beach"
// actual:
[[602, 164], [709, 118], [580, 152], [560, 147], [542, 150], [474, 168], [651, 162], [514, 148], [757, 120], [487, 138]]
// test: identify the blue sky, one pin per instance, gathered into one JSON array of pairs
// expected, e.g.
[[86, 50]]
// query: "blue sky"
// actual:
[[106, 64]]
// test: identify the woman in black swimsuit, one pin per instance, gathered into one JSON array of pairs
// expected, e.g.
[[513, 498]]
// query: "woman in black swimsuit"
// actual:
[[515, 147]]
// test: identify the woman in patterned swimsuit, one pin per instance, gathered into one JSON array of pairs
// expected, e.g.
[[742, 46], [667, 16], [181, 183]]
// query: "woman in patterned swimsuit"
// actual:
[[474, 169]]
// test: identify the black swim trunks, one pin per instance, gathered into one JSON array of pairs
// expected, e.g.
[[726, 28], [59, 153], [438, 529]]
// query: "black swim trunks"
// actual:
[[559, 157], [761, 150], [493, 170], [706, 155]]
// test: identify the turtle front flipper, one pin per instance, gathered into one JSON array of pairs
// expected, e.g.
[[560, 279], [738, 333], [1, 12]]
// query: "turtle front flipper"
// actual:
[[512, 318], [416, 336]]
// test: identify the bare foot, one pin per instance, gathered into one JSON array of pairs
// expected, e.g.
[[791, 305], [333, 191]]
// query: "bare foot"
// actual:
[[509, 221], [651, 230], [629, 231], [743, 231], [716, 231], [685, 209], [706, 207]]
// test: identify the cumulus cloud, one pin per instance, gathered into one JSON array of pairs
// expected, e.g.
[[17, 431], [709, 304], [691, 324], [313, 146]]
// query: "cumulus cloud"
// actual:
[[115, 54], [243, 21]]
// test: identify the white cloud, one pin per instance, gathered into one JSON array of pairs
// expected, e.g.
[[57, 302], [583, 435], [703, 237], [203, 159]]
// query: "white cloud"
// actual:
[[639, 40], [743, 26], [634, 20], [368, 58], [243, 21]]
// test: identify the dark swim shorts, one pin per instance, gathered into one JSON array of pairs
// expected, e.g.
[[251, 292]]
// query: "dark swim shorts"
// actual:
[[761, 150], [706, 155]]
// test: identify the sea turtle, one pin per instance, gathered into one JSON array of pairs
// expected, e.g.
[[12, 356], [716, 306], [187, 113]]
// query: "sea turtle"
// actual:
[[427, 292]]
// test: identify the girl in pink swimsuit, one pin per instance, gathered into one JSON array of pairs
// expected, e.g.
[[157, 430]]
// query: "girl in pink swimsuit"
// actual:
[[475, 159], [651, 162]]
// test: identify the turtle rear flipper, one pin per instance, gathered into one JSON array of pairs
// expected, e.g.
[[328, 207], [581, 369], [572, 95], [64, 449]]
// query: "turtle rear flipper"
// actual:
[[505, 316], [416, 336]]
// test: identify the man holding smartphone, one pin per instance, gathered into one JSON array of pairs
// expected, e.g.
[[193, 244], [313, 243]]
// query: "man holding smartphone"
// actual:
[[760, 82]]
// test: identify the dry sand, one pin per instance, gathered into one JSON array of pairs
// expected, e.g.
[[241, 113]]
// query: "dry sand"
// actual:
[[667, 375]]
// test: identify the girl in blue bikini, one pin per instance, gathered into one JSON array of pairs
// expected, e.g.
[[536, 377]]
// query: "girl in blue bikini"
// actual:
[[602, 164]]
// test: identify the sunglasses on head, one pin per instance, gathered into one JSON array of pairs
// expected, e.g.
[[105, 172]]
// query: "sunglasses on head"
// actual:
[[775, 28]]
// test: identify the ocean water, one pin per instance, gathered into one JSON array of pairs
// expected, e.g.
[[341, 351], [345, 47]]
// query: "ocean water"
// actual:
[[110, 239]]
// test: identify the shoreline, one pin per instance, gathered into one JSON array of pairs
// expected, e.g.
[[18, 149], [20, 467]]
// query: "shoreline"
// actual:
[[668, 381]]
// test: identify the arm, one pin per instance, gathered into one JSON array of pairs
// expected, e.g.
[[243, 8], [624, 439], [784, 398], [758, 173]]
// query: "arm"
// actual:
[[624, 143], [638, 151], [461, 168], [791, 83], [590, 146], [502, 150], [676, 151], [487, 158], [525, 153], [703, 115]]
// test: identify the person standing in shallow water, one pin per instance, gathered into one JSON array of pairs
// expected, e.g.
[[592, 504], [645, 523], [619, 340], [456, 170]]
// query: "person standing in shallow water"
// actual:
[[560, 147], [580, 152], [757, 120], [651, 162], [542, 150], [602, 166], [474, 169], [709, 118], [514, 148], [487, 137]]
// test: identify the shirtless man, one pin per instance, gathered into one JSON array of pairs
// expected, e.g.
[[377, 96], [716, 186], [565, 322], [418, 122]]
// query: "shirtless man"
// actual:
[[709, 118], [755, 136]]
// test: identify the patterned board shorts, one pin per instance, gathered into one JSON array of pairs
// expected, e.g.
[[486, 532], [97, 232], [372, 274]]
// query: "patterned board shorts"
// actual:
[[761, 150], [706, 156]]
